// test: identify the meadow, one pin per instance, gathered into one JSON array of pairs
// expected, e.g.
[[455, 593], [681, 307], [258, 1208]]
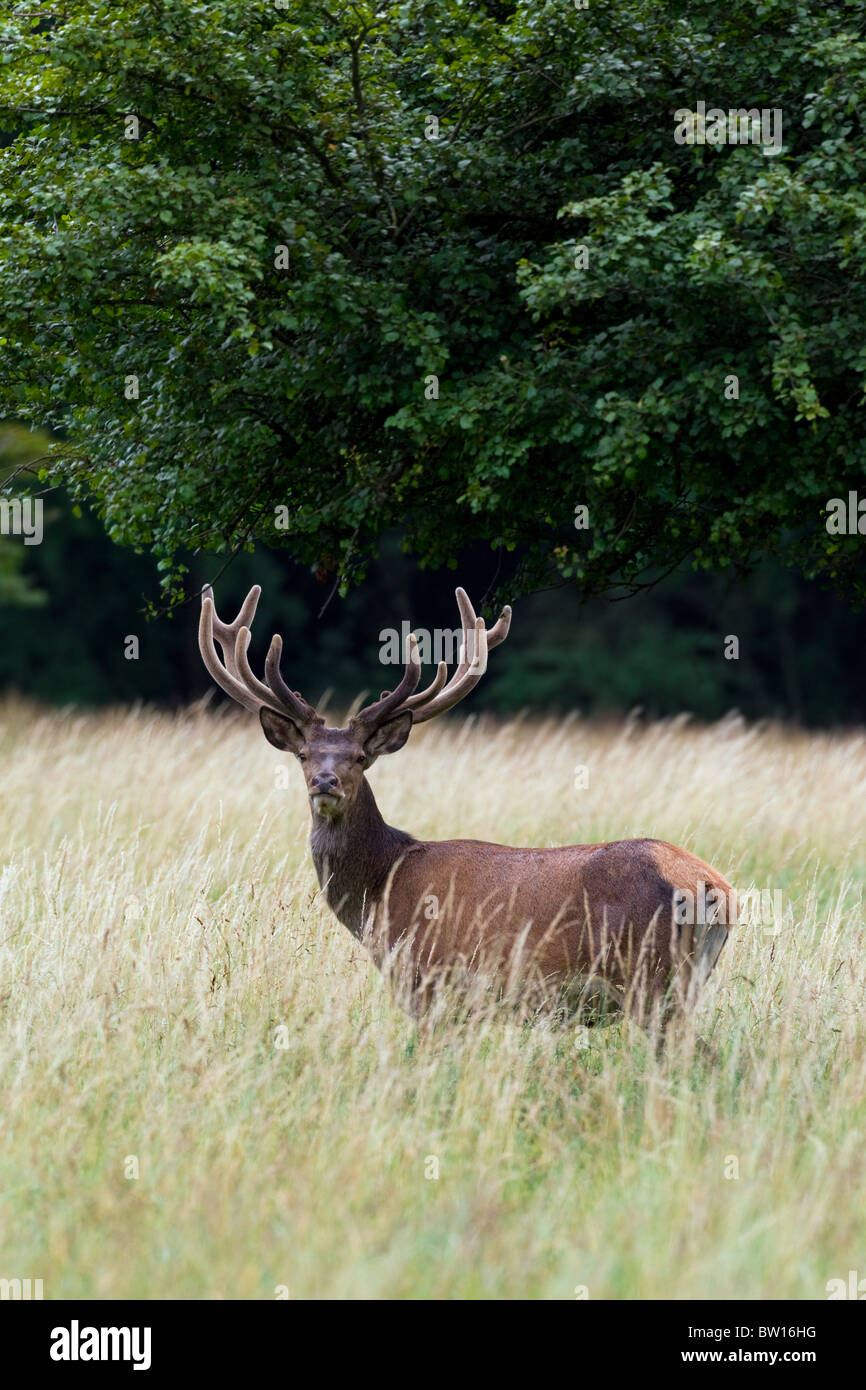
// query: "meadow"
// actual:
[[207, 1091]]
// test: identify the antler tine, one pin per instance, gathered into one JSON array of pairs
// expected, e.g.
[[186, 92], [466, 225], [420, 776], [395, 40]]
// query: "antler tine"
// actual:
[[469, 624], [465, 678], [226, 633], [422, 696], [226, 676], [388, 703], [470, 643], [292, 700], [236, 676], [248, 676], [472, 662], [500, 628]]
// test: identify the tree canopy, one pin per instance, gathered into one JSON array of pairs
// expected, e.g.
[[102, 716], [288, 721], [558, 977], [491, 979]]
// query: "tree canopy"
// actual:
[[296, 273]]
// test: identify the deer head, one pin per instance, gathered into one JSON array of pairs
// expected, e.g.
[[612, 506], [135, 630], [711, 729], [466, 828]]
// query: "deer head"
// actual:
[[334, 760]]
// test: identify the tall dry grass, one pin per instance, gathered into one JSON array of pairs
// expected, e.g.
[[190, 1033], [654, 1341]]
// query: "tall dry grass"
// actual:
[[176, 1001]]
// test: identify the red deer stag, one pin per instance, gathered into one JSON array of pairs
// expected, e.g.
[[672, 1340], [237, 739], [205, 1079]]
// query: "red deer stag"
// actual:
[[593, 928]]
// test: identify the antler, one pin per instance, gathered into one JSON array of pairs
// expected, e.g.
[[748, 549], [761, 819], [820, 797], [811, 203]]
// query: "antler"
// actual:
[[426, 704], [396, 701], [235, 676]]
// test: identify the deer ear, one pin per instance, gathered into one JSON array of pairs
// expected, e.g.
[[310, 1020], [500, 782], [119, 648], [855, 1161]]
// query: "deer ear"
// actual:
[[281, 731], [390, 736]]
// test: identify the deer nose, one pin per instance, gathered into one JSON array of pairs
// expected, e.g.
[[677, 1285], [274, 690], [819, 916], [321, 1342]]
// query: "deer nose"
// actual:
[[324, 781]]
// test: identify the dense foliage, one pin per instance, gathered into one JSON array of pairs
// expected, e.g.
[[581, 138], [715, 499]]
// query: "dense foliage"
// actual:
[[277, 257]]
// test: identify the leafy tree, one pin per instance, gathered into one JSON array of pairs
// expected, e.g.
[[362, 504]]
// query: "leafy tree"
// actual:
[[236, 248]]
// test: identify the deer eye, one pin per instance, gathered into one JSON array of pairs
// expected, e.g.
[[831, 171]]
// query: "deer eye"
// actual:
[[361, 758], [302, 757]]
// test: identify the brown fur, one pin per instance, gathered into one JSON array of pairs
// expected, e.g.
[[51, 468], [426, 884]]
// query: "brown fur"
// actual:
[[573, 927]]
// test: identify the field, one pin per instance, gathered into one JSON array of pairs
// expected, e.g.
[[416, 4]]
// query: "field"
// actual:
[[207, 1091]]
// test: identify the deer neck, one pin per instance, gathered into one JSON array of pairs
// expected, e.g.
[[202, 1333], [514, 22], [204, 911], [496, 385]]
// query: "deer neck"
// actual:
[[353, 855]]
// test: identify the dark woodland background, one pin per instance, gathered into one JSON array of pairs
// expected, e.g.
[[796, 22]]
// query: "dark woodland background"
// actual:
[[801, 649]]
